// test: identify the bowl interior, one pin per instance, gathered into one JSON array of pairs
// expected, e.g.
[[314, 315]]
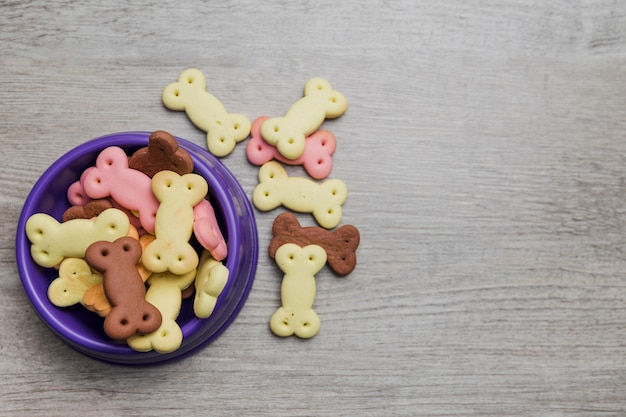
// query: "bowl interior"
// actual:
[[82, 329]]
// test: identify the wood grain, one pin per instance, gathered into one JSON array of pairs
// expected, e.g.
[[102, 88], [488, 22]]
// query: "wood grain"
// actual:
[[484, 155]]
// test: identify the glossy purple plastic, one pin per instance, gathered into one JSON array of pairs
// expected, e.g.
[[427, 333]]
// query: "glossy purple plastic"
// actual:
[[82, 329]]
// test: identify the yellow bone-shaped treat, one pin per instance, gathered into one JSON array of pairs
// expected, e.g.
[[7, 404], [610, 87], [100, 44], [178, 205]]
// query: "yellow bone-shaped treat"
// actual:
[[206, 112], [297, 291], [164, 292], [305, 116], [171, 250], [303, 195], [75, 278], [52, 241], [211, 278]]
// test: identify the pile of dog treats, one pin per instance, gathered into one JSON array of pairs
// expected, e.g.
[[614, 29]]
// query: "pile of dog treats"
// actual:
[[131, 221], [123, 249], [293, 139]]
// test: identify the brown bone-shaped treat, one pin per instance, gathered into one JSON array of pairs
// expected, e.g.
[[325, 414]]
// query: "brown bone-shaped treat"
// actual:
[[124, 288], [95, 299], [340, 245], [87, 211], [162, 153]]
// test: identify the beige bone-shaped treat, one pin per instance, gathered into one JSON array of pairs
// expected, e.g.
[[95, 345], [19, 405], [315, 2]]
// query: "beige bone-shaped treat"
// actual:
[[171, 250], [75, 278], [52, 241], [211, 278], [305, 116], [297, 291], [164, 292], [206, 112], [303, 195]]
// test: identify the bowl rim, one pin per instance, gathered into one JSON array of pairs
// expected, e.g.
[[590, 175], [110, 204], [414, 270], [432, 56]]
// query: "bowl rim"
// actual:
[[238, 219]]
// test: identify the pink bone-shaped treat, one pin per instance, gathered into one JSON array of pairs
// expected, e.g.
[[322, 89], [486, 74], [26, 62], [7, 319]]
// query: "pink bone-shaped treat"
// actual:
[[76, 192], [77, 197], [207, 231], [316, 158], [131, 188]]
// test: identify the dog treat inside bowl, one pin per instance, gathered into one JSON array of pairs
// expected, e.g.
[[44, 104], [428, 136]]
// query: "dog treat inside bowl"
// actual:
[[97, 170]]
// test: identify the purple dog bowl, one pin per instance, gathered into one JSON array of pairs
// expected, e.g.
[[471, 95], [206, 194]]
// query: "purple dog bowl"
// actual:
[[82, 329]]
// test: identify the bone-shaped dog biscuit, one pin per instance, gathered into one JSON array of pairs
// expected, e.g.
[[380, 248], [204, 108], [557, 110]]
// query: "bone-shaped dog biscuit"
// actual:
[[162, 153], [168, 337], [124, 288], [75, 278], [211, 278], [52, 241], [171, 249], [206, 112], [76, 192], [130, 188], [164, 292], [297, 291], [77, 196], [94, 298], [207, 231], [306, 115], [86, 211], [315, 159], [303, 195], [340, 244]]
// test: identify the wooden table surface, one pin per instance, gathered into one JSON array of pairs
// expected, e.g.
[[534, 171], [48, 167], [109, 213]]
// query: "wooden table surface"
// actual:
[[484, 153]]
